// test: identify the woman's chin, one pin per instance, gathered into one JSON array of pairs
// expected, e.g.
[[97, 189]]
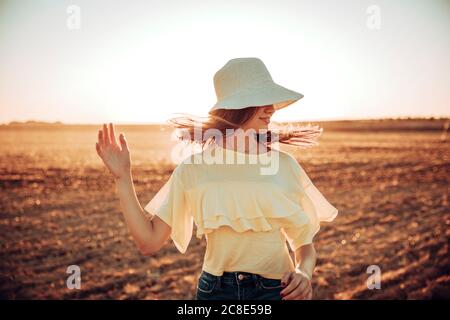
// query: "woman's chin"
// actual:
[[261, 130]]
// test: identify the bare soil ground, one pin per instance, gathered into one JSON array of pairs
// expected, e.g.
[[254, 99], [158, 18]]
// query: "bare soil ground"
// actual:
[[58, 208]]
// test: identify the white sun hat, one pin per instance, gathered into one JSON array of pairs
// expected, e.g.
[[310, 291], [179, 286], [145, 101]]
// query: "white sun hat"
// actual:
[[246, 82]]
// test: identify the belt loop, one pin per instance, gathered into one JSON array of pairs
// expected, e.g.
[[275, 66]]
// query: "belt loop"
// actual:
[[254, 277], [257, 282], [219, 282]]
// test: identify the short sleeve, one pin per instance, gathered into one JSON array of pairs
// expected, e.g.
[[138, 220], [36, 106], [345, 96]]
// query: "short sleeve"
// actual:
[[315, 206], [171, 205]]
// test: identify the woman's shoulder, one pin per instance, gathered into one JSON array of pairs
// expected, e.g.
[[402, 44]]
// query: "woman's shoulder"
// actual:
[[288, 157], [293, 165], [187, 169]]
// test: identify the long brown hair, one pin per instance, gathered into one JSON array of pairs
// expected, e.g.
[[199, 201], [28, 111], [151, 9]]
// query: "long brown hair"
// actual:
[[226, 119]]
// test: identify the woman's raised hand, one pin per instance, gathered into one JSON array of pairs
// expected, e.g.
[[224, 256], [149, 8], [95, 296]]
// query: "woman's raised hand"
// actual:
[[115, 157]]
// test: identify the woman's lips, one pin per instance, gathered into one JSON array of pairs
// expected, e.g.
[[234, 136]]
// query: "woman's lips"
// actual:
[[266, 119]]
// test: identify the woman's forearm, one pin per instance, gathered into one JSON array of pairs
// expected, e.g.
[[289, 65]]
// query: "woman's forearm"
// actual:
[[148, 233], [139, 225], [305, 259]]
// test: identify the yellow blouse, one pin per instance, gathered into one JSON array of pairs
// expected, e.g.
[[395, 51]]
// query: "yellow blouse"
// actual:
[[246, 205]]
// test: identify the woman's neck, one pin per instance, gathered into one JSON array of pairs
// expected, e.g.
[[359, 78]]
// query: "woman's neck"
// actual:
[[241, 142]]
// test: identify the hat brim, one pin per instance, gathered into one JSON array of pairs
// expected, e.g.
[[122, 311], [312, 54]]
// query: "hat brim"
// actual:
[[272, 94]]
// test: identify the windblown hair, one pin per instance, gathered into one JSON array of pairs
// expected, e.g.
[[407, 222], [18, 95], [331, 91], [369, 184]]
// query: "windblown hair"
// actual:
[[196, 129]]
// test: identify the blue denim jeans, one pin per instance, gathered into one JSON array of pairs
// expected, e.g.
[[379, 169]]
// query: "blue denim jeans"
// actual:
[[237, 286]]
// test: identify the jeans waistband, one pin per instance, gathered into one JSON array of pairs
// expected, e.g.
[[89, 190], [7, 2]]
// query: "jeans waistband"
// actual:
[[238, 277]]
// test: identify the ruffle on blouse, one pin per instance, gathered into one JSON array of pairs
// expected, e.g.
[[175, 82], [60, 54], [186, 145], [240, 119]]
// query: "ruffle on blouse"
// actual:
[[262, 207], [243, 206], [297, 207]]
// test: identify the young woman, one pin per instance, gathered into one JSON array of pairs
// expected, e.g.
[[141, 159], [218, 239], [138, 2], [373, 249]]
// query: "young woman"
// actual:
[[246, 197]]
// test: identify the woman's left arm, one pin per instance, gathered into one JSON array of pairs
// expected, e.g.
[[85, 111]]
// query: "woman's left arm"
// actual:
[[298, 283]]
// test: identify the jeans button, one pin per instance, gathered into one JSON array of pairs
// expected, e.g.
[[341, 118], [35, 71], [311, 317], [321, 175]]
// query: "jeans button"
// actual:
[[241, 277]]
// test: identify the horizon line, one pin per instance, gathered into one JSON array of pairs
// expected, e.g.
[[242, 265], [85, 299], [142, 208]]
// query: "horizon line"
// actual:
[[58, 122]]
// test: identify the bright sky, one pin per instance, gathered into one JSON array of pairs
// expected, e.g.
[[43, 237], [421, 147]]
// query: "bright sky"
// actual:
[[142, 61]]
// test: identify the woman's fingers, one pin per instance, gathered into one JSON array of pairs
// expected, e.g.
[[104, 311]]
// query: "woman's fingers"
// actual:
[[297, 293], [99, 150], [100, 137], [305, 294], [123, 142], [298, 288], [304, 288], [291, 286], [106, 140], [292, 295], [112, 136], [302, 292], [303, 284], [285, 278]]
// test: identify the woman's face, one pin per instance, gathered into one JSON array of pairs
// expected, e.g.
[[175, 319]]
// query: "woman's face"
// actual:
[[261, 119]]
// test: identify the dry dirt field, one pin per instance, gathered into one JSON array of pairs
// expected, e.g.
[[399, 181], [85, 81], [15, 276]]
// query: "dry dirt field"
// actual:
[[58, 208]]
